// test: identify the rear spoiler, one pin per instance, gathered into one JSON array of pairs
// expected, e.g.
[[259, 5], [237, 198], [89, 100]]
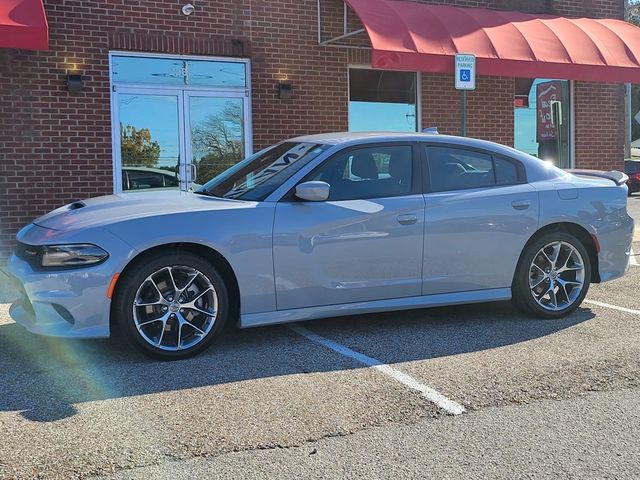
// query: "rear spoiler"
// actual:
[[617, 177]]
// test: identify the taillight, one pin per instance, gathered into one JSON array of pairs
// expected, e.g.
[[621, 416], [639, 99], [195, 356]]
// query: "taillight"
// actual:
[[636, 176]]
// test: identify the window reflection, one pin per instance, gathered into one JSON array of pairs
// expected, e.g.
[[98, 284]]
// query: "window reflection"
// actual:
[[382, 100], [170, 71], [149, 141], [217, 133], [542, 121]]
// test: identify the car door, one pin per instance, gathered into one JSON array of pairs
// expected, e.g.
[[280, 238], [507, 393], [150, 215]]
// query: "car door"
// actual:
[[364, 242], [480, 212]]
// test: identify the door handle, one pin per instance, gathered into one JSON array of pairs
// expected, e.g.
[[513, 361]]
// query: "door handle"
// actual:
[[521, 204], [188, 182], [408, 219]]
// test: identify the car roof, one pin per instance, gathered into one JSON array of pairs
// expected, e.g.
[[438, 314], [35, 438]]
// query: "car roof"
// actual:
[[356, 138]]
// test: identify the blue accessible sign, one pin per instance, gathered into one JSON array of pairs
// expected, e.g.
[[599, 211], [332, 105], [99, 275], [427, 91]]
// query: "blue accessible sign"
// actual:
[[465, 71]]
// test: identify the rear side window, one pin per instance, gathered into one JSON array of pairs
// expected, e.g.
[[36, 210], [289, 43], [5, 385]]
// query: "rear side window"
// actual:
[[453, 168], [506, 172]]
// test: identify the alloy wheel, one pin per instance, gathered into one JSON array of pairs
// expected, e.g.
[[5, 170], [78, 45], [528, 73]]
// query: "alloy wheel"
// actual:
[[175, 308], [557, 276]]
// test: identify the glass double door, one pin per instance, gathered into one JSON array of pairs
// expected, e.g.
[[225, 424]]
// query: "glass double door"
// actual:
[[176, 139]]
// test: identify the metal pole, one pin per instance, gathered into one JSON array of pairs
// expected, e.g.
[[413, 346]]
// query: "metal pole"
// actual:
[[463, 113], [628, 120]]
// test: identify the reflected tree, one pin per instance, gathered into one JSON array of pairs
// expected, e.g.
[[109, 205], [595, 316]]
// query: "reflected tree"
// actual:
[[217, 142], [137, 147]]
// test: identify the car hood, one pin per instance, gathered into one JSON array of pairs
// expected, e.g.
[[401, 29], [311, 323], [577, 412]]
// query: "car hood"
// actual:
[[116, 208]]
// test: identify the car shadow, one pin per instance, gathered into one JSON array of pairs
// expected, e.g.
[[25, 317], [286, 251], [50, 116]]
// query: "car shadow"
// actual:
[[44, 378]]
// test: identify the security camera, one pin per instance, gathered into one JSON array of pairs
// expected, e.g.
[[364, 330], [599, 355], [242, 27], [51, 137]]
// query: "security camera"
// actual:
[[188, 9]]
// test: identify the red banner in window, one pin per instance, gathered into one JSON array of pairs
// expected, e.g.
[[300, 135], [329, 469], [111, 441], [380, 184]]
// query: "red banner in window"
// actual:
[[546, 94]]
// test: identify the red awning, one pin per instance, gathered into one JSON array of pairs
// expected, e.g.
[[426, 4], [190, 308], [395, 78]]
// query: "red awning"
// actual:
[[23, 24], [414, 36]]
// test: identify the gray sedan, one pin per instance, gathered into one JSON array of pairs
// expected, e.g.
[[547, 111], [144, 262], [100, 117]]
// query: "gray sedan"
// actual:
[[320, 226]]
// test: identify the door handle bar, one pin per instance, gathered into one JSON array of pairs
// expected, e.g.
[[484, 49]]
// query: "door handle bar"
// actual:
[[521, 204], [408, 219]]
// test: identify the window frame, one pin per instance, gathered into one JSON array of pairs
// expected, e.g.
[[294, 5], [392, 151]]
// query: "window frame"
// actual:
[[426, 171], [183, 92], [364, 66], [416, 171]]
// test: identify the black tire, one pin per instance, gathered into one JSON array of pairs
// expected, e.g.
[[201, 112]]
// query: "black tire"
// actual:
[[137, 275], [523, 296]]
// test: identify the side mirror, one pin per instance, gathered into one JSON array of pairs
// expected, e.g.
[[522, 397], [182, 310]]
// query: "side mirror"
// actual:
[[313, 191]]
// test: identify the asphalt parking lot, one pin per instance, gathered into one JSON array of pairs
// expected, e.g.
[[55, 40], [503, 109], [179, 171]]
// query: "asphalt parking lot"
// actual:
[[379, 396]]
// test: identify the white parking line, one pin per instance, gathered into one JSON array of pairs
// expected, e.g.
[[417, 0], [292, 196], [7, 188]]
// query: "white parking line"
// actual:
[[449, 406], [633, 260], [613, 307]]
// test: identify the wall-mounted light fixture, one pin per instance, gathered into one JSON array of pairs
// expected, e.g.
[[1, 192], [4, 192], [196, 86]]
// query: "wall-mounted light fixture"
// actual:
[[285, 89], [188, 9], [74, 82]]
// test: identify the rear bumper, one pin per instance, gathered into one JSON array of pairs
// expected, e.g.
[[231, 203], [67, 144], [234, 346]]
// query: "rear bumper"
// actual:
[[615, 236]]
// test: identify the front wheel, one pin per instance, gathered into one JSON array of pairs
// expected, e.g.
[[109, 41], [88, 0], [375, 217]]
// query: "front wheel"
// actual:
[[553, 276], [171, 306]]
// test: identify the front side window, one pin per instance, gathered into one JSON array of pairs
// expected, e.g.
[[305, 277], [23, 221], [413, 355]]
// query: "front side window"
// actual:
[[453, 168], [368, 172], [261, 174]]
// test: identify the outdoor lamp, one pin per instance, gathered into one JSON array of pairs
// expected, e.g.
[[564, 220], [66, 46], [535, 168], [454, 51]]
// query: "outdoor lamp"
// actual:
[[285, 89], [74, 82]]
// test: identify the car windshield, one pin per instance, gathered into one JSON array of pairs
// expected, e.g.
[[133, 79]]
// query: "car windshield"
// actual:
[[256, 177]]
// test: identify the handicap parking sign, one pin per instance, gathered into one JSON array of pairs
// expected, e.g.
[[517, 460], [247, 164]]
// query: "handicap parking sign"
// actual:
[[465, 72]]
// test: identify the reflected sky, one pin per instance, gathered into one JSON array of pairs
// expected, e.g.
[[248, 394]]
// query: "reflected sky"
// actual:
[[211, 115], [159, 114], [174, 71], [378, 116]]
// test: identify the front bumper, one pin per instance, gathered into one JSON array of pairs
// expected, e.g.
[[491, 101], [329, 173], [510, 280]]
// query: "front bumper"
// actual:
[[71, 304]]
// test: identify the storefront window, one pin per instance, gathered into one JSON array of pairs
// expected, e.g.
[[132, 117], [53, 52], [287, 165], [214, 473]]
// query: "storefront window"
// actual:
[[177, 122], [149, 141], [176, 71], [543, 120], [382, 100]]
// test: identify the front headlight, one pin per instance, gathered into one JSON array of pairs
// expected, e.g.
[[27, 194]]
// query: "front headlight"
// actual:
[[72, 255]]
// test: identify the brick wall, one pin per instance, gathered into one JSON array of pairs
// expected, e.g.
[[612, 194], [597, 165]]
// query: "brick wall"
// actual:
[[489, 107], [599, 126], [55, 146]]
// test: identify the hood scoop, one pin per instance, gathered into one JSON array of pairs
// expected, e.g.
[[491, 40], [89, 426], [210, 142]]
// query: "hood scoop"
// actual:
[[76, 205]]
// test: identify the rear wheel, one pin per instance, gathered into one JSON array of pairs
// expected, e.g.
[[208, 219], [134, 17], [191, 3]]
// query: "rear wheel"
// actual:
[[171, 306], [553, 276]]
